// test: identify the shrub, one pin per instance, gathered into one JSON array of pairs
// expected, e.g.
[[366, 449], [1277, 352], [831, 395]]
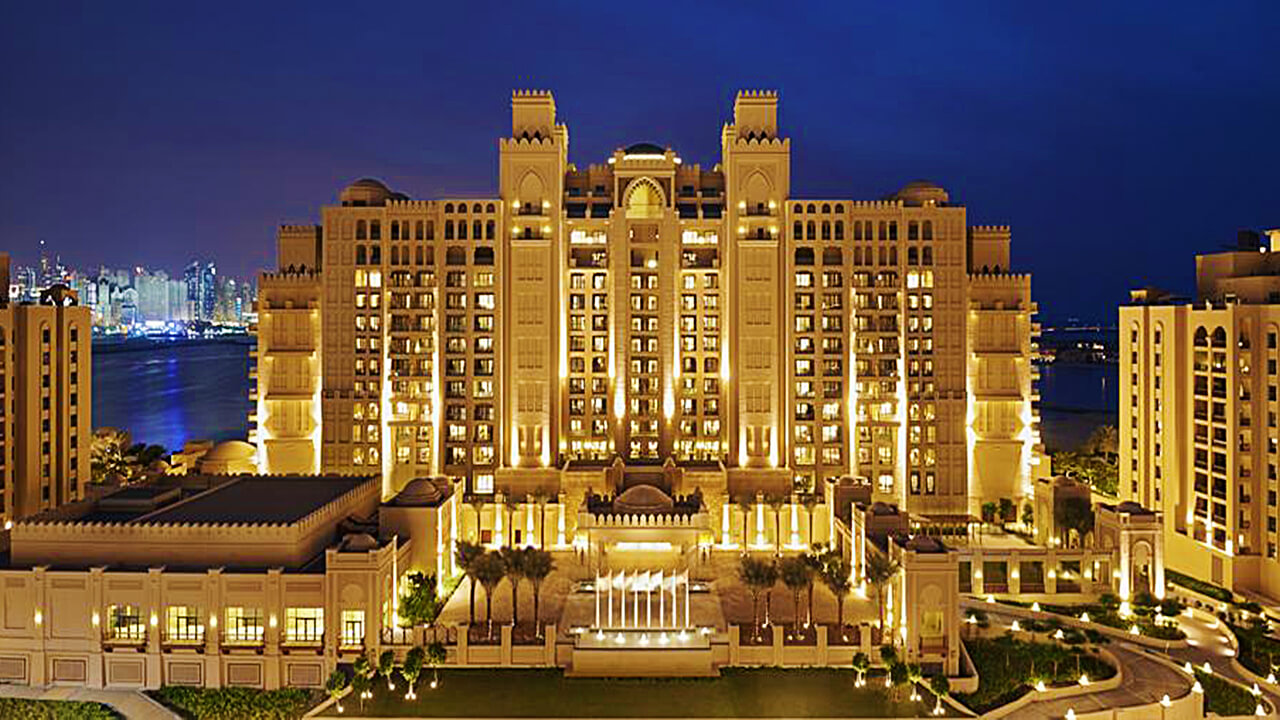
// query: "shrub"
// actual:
[[1200, 586], [55, 710], [1223, 698], [235, 703], [1008, 667]]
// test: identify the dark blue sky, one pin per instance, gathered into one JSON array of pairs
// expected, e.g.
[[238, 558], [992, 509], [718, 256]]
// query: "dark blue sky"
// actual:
[[1117, 138]]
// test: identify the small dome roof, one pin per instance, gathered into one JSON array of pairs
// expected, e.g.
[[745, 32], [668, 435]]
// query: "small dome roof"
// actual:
[[360, 542], [643, 499], [231, 450], [644, 148], [159, 466], [920, 192], [366, 191], [420, 492]]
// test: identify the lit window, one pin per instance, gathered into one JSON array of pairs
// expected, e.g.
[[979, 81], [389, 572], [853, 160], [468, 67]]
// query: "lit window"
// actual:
[[304, 625], [352, 628], [244, 625], [484, 483], [183, 624], [124, 622]]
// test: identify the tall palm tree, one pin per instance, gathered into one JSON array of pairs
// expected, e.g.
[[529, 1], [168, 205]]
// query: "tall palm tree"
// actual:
[[744, 503], [817, 563], [466, 554], [540, 498], [513, 562], [511, 506], [776, 503], [796, 574], [489, 570], [810, 502], [835, 575], [478, 503], [759, 576], [538, 564], [880, 570]]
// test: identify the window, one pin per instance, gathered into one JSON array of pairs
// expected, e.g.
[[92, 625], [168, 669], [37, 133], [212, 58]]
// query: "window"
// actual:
[[124, 623], [183, 624], [352, 628], [243, 625], [304, 625]]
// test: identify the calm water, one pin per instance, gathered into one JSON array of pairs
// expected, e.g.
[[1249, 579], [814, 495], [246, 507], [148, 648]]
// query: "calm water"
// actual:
[[168, 394]]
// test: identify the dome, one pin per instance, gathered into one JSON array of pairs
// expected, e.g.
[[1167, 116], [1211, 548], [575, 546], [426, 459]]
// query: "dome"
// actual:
[[360, 542], [229, 451], [420, 492], [366, 192], [922, 192], [644, 148], [643, 499]]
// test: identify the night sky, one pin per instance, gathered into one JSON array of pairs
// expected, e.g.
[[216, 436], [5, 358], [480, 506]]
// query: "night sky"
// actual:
[[1117, 139]]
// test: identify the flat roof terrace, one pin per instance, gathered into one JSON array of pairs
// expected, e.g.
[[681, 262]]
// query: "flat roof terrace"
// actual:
[[257, 500], [247, 521]]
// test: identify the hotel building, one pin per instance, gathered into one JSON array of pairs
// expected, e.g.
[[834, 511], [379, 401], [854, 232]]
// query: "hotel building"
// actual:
[[1198, 407], [45, 404], [646, 312]]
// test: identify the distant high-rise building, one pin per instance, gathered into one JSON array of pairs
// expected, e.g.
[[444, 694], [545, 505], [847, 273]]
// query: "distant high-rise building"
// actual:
[[45, 400], [1198, 416], [202, 290]]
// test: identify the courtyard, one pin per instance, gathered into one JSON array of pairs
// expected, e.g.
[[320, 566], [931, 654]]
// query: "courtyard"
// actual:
[[736, 693]]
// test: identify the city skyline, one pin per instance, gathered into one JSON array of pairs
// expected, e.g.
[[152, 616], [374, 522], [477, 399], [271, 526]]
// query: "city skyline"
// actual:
[[1063, 112]]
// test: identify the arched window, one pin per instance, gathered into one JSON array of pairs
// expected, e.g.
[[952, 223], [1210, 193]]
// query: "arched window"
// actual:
[[395, 231], [813, 208], [375, 254], [375, 229], [448, 229], [488, 230], [417, 231], [1202, 337], [798, 208], [361, 232], [928, 229], [857, 255], [490, 208], [476, 208], [826, 207], [928, 255], [448, 207], [893, 230], [857, 229], [839, 229], [797, 232], [826, 229], [884, 230], [839, 208], [811, 230], [462, 229], [475, 229], [912, 256], [395, 254], [361, 257], [913, 230], [1219, 338], [417, 255]]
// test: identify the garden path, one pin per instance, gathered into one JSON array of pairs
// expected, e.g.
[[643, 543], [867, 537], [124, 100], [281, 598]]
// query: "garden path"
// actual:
[[133, 705]]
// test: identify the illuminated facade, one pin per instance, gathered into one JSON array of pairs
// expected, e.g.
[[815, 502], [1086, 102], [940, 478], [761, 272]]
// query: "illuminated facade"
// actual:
[[652, 312], [45, 400], [1198, 408]]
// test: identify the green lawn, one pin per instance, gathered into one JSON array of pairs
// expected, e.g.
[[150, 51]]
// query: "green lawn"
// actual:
[[547, 693], [236, 703]]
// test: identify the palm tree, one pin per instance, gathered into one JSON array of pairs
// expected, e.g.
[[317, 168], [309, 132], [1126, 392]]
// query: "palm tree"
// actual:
[[511, 506], [477, 503], [861, 664], [538, 565], [513, 561], [489, 571], [335, 686], [880, 570], [745, 504], [776, 503], [796, 574], [540, 499], [810, 502], [411, 669], [816, 563], [759, 576], [835, 575], [466, 554]]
